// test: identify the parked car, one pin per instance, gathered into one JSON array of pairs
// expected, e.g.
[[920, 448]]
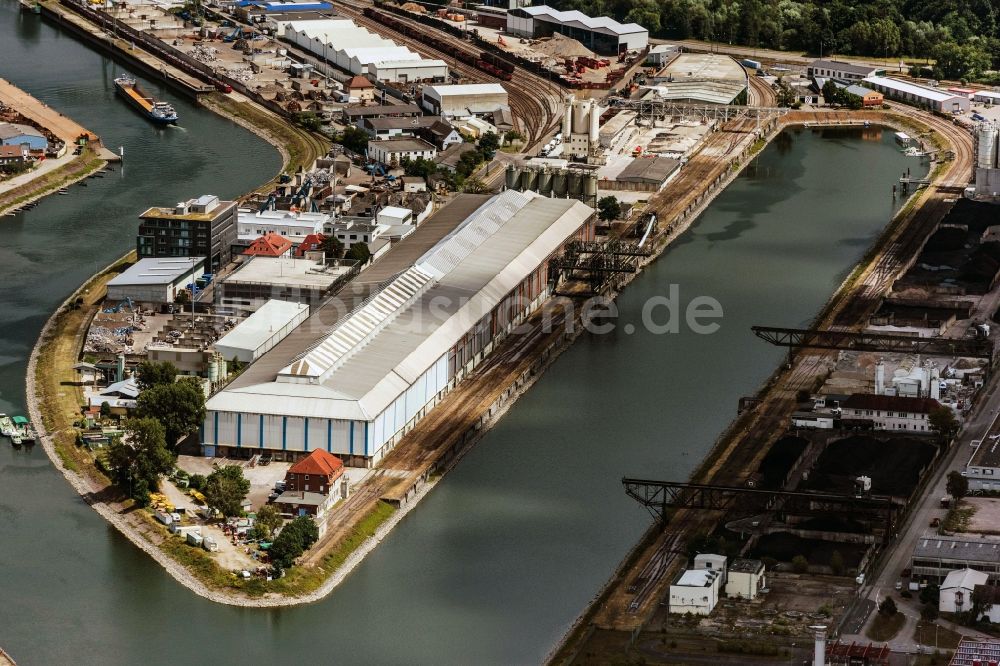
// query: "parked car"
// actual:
[[265, 459], [899, 585]]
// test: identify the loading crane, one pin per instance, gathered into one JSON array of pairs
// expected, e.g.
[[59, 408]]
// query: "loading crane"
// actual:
[[268, 203], [795, 338]]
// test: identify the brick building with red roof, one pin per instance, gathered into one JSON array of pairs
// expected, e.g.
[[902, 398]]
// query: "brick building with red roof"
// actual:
[[269, 245]]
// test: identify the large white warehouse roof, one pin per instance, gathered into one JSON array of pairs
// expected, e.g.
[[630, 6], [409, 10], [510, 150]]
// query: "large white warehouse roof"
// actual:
[[581, 20], [911, 88], [262, 325], [440, 92], [376, 353]]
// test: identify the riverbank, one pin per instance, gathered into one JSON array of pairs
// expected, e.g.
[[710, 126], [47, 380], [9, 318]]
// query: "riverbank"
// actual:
[[56, 172], [740, 447]]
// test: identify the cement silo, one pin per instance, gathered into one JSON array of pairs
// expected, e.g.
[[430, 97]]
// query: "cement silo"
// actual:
[[513, 177], [575, 184], [590, 189], [986, 153], [559, 184], [529, 179], [545, 183]]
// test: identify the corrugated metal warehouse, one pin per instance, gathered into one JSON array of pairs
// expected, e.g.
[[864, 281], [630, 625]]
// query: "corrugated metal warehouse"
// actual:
[[602, 34], [473, 272], [465, 99], [259, 332], [155, 280], [921, 96], [406, 71]]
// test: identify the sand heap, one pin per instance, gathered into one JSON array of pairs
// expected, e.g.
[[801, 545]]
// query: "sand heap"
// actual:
[[560, 46]]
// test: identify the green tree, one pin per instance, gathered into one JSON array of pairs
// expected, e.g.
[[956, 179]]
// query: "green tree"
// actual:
[[225, 490], [887, 608], [488, 145], [420, 167], [468, 162], [837, 563], [308, 120], [332, 246], [831, 92], [943, 421], [268, 520], [957, 485], [512, 136], [800, 564], [105, 409], [609, 208], [360, 253], [646, 13], [929, 612], [293, 540], [475, 186], [354, 139], [151, 373], [141, 455], [182, 297], [197, 482], [180, 407]]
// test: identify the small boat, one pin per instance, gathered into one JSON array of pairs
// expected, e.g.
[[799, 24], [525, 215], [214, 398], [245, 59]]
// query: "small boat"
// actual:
[[6, 426], [64, 191], [15, 439], [82, 184], [23, 430]]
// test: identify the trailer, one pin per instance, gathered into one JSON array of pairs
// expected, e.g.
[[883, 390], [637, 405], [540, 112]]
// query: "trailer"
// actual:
[[750, 64], [194, 538]]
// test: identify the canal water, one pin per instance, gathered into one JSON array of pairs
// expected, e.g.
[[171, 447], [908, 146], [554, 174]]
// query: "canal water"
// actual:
[[497, 561]]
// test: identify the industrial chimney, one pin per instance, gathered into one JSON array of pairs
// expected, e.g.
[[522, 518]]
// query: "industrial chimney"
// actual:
[[819, 654]]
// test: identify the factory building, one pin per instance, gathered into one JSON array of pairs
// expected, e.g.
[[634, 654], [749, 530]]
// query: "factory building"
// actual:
[[202, 227], [464, 100], [841, 71], [261, 279], [14, 134], [603, 35], [259, 332], [155, 281], [252, 224], [987, 160], [361, 52], [581, 129], [701, 78], [920, 96], [433, 309], [935, 557], [408, 71], [394, 151]]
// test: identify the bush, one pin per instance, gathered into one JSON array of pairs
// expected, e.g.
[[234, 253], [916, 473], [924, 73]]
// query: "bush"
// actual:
[[800, 564], [197, 481], [887, 608]]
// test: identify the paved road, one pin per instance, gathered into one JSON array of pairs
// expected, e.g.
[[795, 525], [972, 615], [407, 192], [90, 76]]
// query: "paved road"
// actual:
[[918, 524]]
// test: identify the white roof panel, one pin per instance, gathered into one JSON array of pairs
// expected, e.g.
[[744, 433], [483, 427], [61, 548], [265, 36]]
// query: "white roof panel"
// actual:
[[584, 21], [912, 88], [261, 326]]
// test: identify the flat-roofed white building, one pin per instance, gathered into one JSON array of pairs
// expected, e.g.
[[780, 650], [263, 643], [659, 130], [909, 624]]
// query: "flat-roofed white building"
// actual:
[[601, 34], [745, 579], [407, 71], [394, 151], [695, 591], [261, 279], [917, 95], [355, 387], [155, 280], [259, 332], [251, 224], [464, 99]]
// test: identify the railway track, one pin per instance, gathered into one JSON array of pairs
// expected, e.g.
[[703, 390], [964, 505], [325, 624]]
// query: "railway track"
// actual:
[[740, 450], [534, 101]]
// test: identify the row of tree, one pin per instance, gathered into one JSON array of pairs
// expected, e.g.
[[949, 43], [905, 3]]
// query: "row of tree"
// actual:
[[962, 35]]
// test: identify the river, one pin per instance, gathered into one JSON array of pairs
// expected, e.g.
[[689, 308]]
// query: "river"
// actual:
[[497, 561]]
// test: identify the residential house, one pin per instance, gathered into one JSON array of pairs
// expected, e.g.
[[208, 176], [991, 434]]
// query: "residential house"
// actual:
[[269, 245], [360, 88], [891, 412], [441, 134], [388, 128], [13, 155], [313, 485], [450, 157], [956, 590]]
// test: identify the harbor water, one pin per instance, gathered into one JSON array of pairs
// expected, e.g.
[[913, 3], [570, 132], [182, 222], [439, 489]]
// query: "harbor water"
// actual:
[[498, 560]]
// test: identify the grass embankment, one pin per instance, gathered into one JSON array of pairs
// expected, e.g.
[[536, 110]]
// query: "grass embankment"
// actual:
[[58, 400], [297, 581], [885, 628], [931, 633], [82, 165], [958, 517], [300, 146]]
